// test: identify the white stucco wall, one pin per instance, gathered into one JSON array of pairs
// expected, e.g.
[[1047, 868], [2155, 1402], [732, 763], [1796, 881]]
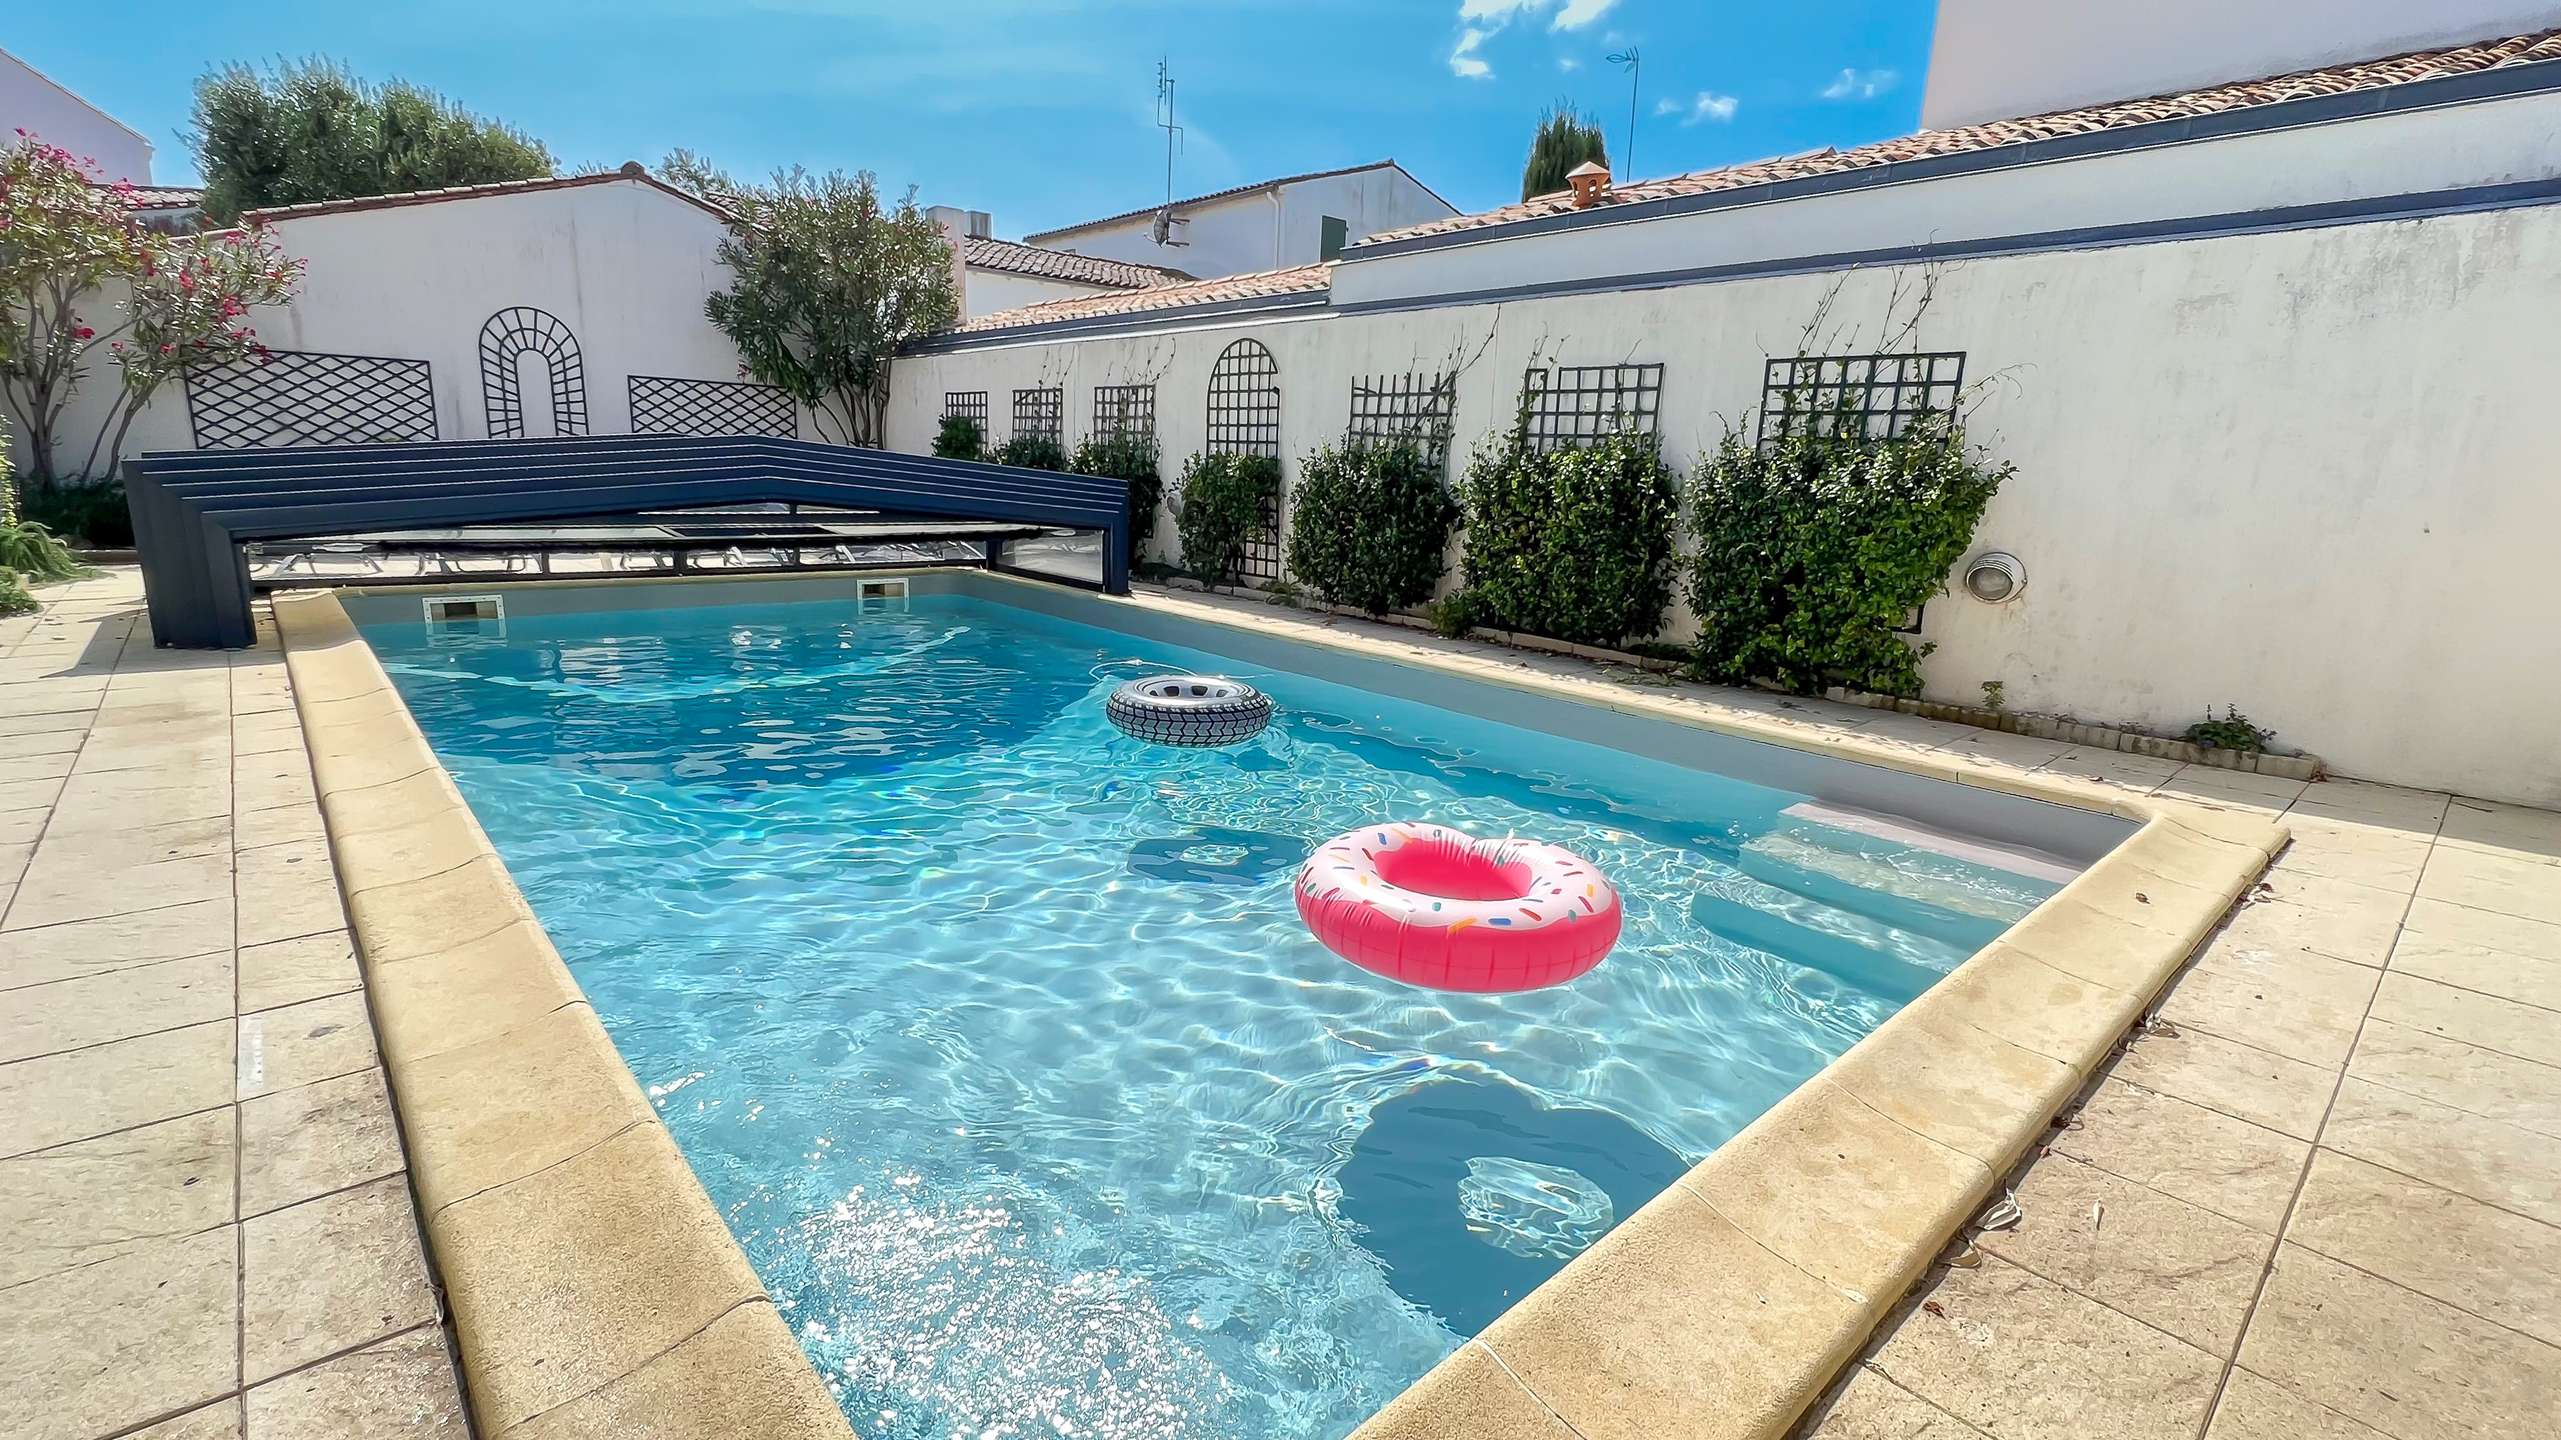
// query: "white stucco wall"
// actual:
[[985, 291], [2490, 142], [624, 265], [32, 102], [1265, 230], [2289, 471], [1993, 59]]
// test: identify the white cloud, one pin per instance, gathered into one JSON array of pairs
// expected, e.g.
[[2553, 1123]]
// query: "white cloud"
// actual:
[[1859, 84], [1711, 106], [1463, 62], [1568, 64], [1578, 13], [1667, 106]]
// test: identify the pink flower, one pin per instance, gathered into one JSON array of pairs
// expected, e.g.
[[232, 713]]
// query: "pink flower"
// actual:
[[84, 333]]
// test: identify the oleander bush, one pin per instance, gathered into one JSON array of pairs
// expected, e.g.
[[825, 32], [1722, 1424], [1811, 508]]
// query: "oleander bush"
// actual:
[[961, 438], [1814, 548], [1369, 526], [1035, 452], [1222, 501], [1572, 544], [1127, 455]]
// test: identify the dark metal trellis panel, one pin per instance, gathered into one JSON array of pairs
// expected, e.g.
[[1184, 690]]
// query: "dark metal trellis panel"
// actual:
[[1041, 414], [1125, 410], [1412, 408], [1574, 405], [1244, 419], [512, 332], [670, 405], [307, 397], [967, 405], [1877, 396]]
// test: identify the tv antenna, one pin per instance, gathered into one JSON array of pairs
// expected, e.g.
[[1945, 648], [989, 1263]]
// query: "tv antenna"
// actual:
[[1163, 229], [1634, 64]]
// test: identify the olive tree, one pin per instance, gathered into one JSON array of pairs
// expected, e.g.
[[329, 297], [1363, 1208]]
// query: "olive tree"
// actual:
[[826, 283], [309, 130]]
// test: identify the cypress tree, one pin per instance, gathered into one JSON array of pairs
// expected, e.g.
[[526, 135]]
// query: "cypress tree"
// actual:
[[1564, 140]]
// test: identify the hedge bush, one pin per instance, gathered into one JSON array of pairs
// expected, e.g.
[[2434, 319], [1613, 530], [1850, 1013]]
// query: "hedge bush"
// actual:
[[1369, 526], [90, 513], [961, 438], [1124, 456], [1572, 544], [1812, 550], [1033, 452], [1222, 505]]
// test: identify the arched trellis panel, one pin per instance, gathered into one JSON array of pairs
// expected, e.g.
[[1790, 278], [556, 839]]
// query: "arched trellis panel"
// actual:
[[1244, 419], [516, 331]]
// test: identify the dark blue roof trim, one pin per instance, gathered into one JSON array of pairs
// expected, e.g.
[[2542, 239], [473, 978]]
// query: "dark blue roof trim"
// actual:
[[2502, 83], [192, 511]]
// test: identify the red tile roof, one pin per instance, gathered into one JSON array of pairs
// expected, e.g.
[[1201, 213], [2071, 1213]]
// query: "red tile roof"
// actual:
[[1302, 279], [1016, 259], [166, 197], [1231, 193], [2363, 75], [631, 170]]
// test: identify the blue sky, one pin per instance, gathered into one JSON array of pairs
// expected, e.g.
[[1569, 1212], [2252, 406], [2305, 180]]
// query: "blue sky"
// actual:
[[1040, 110]]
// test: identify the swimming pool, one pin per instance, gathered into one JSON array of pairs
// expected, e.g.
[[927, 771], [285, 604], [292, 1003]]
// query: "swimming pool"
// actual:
[[996, 1037]]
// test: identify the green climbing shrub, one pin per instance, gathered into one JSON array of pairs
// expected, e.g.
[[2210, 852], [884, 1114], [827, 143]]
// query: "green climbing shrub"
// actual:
[[961, 438], [1369, 526], [1127, 455], [14, 599], [1033, 452], [26, 547], [1573, 544], [89, 513], [1223, 497], [1813, 549]]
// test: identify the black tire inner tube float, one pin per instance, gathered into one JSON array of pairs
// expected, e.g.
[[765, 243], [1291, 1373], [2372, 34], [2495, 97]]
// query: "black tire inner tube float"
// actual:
[[1191, 710]]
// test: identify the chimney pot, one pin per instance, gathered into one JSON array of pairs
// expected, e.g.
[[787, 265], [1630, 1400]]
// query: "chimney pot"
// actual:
[[1591, 181]]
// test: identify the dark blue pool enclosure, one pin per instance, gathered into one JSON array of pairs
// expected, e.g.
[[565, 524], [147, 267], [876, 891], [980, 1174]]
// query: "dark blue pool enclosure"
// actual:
[[195, 512]]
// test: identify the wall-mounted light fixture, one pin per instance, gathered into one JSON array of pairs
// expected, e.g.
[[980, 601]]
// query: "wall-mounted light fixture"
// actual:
[[1995, 577]]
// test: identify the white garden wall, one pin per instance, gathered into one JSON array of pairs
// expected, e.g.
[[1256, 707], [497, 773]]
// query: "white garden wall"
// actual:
[[2299, 471]]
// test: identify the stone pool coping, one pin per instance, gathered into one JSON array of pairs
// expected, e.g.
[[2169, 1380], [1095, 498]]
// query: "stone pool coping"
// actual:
[[595, 1288]]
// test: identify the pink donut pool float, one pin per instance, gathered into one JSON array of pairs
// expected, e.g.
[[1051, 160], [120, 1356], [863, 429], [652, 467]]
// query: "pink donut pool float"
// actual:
[[1429, 905]]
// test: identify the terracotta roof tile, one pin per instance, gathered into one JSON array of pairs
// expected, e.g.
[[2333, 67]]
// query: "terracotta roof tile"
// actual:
[[1296, 281], [630, 171], [1017, 259], [2364, 75]]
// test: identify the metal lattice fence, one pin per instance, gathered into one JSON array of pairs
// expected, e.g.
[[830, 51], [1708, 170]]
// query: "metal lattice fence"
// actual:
[[1125, 410], [1876, 396], [306, 397], [669, 405], [1410, 409], [1574, 405], [1244, 419], [518, 330], [1041, 414], [966, 405]]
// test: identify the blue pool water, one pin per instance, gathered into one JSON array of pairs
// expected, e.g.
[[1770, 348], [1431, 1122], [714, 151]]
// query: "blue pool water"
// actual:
[[997, 1039]]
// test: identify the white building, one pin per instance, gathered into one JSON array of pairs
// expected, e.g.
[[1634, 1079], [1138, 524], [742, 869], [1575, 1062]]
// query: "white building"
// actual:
[[2265, 353], [107, 148], [1271, 225], [989, 275]]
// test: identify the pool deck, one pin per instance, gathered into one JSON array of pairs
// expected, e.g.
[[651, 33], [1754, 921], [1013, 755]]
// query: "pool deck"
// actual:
[[2321, 1199]]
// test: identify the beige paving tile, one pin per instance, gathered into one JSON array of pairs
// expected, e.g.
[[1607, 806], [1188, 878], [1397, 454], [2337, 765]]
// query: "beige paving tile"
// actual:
[[2137, 772], [2264, 1088], [400, 1389], [2490, 825], [93, 1200], [267, 781], [743, 1376], [2412, 1367], [2525, 978], [2473, 1018], [522, 1102], [328, 1275], [21, 827], [2502, 1087], [2527, 886], [287, 891], [91, 1351], [2235, 1169], [2165, 1262], [420, 917], [2488, 1160], [307, 1141], [2256, 1409], [2472, 1256], [90, 947], [112, 1087], [2421, 810], [2291, 1002], [29, 794], [2377, 856], [93, 1009], [2012, 1354], [287, 972], [218, 1421], [1870, 1407], [140, 845], [283, 825], [17, 766], [1997, 747], [2337, 918], [56, 893], [121, 800], [302, 1044], [199, 751], [2487, 928]]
